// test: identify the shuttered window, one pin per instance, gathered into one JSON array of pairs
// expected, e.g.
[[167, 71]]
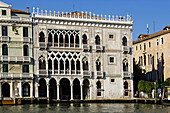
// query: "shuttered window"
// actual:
[[25, 31], [5, 67]]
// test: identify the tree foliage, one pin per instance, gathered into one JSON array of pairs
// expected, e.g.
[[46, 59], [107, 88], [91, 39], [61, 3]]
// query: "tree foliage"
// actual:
[[166, 83], [147, 86]]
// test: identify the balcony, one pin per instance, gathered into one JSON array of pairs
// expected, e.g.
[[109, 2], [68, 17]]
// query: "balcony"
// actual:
[[85, 47], [126, 74], [99, 48], [5, 38], [42, 72], [15, 58], [26, 39], [126, 49], [16, 75], [42, 45]]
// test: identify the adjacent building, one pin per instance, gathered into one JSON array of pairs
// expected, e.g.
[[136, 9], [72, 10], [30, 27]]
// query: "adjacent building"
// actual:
[[152, 53], [76, 55], [16, 66]]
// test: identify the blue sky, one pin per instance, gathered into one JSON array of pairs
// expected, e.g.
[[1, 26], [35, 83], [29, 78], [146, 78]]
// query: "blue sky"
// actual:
[[143, 11]]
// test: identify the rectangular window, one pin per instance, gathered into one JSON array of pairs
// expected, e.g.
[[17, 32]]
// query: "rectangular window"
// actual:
[[25, 68], [157, 42], [144, 46], [111, 36], [140, 47], [4, 31], [5, 67], [162, 40], [136, 48], [112, 80], [4, 12], [25, 31], [149, 44], [111, 60]]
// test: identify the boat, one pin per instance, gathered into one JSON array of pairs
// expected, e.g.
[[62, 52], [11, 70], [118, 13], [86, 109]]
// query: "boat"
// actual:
[[166, 95], [9, 101]]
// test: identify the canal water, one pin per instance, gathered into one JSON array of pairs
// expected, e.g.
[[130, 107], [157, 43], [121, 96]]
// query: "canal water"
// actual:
[[85, 108]]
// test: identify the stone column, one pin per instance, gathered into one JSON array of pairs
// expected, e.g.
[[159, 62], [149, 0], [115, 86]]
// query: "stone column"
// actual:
[[48, 90], [11, 89], [52, 67], [20, 90], [31, 89], [90, 91], [58, 91], [0, 89], [81, 87], [71, 91], [36, 90]]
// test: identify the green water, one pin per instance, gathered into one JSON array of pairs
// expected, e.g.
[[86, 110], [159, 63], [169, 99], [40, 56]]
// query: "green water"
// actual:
[[85, 108]]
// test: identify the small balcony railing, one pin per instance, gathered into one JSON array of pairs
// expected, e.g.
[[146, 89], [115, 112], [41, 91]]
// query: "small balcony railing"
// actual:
[[55, 44], [72, 71], [49, 44], [85, 47], [66, 44], [5, 38], [50, 71], [55, 71], [26, 39], [71, 45], [86, 72], [78, 72], [42, 71], [126, 74], [77, 45], [98, 48], [126, 49], [61, 71], [61, 44], [42, 45], [15, 58], [99, 73], [16, 75], [67, 72]]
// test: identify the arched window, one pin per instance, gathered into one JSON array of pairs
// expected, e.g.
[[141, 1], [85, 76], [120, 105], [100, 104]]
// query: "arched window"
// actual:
[[71, 40], [4, 49], [66, 41], [85, 63], [84, 39], [42, 65], [98, 65], [55, 39], [125, 65], [98, 88], [26, 50], [41, 37], [26, 90], [124, 41], [67, 66], [78, 66], [61, 66], [72, 67], [97, 40], [50, 66], [61, 40], [56, 66], [50, 40], [77, 40]]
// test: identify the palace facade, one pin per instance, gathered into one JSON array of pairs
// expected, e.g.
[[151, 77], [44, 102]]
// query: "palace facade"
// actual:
[[152, 53], [76, 55]]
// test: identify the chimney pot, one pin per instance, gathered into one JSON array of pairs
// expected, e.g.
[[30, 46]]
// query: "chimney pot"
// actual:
[[28, 10]]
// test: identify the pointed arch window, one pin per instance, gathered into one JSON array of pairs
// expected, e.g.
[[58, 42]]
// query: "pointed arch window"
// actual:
[[41, 37], [84, 39], [124, 41], [98, 88], [97, 40]]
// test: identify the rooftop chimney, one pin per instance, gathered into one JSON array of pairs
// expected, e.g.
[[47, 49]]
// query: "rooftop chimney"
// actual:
[[28, 10]]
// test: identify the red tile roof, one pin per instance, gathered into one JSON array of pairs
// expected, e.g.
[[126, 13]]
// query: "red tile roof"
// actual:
[[18, 11], [84, 15], [151, 35]]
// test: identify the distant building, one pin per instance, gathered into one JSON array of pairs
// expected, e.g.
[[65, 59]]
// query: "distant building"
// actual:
[[16, 66], [152, 53]]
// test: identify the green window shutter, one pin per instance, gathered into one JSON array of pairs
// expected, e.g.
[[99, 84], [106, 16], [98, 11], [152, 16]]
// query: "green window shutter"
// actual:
[[5, 67], [25, 32], [6, 50]]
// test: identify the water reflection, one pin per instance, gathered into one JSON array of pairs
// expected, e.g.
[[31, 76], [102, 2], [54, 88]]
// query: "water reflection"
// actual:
[[84, 107]]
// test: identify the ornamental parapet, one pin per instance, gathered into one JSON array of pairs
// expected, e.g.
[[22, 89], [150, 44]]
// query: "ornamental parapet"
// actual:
[[16, 75]]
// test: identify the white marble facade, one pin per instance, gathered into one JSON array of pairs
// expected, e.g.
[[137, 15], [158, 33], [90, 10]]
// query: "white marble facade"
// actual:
[[82, 56]]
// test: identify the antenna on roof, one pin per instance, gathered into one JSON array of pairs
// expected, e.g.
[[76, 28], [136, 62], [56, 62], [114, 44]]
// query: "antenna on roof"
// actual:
[[154, 25], [73, 6], [147, 29]]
